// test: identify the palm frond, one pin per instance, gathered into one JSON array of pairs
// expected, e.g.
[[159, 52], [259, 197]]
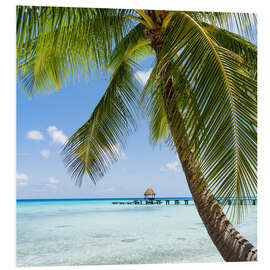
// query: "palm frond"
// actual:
[[60, 42], [153, 103], [133, 47], [154, 110], [235, 44], [149, 23], [224, 95], [97, 144], [243, 24]]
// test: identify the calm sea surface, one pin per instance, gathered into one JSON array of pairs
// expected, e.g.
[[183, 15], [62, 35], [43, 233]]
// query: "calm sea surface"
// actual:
[[95, 232]]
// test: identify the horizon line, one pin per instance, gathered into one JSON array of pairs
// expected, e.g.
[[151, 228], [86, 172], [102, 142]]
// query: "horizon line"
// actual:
[[113, 198]]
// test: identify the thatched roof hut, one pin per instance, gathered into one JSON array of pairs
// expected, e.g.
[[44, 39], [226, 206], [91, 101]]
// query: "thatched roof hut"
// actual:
[[149, 194]]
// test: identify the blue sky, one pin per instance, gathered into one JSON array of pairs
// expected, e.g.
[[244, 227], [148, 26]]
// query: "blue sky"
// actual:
[[46, 121]]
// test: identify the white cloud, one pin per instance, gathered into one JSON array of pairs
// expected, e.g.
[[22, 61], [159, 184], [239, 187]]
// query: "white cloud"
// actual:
[[142, 76], [123, 156], [57, 135], [21, 176], [45, 153], [21, 184], [52, 182], [171, 166], [35, 135], [116, 148], [22, 179]]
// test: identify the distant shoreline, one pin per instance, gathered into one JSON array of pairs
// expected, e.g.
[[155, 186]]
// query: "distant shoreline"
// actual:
[[107, 199]]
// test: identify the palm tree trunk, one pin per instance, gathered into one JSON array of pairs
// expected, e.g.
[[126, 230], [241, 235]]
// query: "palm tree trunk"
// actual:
[[231, 245]]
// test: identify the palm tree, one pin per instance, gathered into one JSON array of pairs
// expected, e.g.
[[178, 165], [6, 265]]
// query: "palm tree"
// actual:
[[201, 96]]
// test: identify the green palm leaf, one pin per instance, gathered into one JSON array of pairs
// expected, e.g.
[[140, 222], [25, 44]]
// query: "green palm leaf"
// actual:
[[226, 109], [234, 43], [64, 42], [97, 144], [243, 24]]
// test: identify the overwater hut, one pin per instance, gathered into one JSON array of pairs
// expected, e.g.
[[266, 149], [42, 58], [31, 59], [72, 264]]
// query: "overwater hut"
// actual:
[[149, 194]]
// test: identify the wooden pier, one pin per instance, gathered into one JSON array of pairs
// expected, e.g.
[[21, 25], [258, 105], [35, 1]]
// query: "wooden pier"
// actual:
[[156, 201], [184, 201], [239, 201]]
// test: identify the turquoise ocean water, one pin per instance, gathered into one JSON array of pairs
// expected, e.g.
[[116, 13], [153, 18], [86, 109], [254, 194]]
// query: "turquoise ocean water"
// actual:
[[95, 232]]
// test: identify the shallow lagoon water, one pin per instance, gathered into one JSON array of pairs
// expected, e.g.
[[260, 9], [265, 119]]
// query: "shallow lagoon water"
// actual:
[[95, 232]]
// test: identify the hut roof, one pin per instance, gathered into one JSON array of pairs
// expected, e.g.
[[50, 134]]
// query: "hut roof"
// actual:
[[149, 191]]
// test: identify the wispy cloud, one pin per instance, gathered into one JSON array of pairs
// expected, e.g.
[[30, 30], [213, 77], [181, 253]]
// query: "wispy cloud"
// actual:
[[142, 76], [116, 148], [21, 176], [45, 153], [22, 179], [171, 166], [57, 135], [123, 156], [34, 135], [22, 184], [52, 182]]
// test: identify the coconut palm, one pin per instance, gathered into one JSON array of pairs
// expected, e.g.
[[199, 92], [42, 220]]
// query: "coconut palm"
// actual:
[[201, 96]]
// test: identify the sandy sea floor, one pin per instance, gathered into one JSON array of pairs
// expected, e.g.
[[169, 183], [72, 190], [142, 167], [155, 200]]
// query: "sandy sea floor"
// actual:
[[96, 233]]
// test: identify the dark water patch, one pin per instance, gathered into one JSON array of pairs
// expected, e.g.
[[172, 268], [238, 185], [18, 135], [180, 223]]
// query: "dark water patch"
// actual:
[[129, 240], [193, 228], [101, 235], [181, 238], [198, 223], [63, 226]]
